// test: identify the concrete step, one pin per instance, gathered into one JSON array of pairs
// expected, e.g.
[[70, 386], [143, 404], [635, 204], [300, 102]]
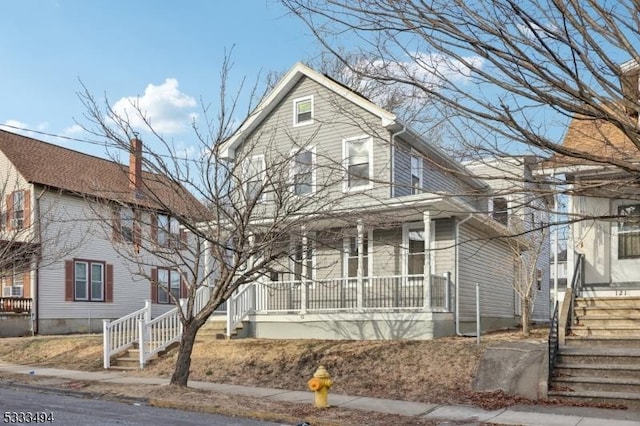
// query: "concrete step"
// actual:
[[594, 330], [618, 302], [608, 320], [630, 371], [605, 310], [630, 400], [599, 384], [599, 355], [603, 341]]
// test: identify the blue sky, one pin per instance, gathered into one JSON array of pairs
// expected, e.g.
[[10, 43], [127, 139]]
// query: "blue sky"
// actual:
[[167, 52]]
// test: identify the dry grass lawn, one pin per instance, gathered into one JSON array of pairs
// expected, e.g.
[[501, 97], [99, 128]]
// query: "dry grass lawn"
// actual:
[[438, 371]]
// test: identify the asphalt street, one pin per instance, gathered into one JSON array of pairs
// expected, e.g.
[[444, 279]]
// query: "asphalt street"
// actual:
[[20, 406]]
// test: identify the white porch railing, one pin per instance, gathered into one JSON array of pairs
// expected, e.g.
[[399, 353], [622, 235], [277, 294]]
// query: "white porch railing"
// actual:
[[399, 292], [151, 335]]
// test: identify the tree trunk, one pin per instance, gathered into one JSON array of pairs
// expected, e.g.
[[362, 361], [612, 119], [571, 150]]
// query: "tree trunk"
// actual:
[[181, 371], [526, 319]]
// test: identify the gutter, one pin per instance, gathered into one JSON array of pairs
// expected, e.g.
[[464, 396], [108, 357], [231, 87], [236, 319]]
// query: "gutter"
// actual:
[[457, 316]]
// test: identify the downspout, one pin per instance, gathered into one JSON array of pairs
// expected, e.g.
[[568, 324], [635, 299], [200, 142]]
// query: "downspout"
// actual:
[[457, 242], [392, 153], [36, 300]]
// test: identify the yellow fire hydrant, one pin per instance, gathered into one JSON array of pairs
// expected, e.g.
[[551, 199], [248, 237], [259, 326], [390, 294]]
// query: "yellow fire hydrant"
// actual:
[[320, 384]]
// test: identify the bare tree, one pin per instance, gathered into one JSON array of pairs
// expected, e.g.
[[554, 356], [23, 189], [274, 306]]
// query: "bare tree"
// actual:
[[206, 219], [507, 75]]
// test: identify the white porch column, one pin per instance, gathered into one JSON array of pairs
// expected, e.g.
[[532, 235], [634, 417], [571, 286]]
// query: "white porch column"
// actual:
[[303, 278], [360, 281], [426, 217]]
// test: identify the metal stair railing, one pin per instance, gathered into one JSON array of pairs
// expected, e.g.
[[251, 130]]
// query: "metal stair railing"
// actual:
[[554, 345]]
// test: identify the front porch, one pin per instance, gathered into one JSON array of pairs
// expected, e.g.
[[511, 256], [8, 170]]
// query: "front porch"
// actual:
[[379, 308]]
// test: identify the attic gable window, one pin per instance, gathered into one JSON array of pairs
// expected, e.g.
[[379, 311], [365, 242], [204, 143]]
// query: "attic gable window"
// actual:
[[303, 111], [358, 162]]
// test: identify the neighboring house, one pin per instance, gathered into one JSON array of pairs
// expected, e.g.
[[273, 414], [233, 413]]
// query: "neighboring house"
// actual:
[[80, 215], [406, 238], [524, 206], [604, 200]]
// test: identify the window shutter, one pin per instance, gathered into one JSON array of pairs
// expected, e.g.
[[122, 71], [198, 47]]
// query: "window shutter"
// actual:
[[26, 284], [154, 285], [183, 288], [27, 208], [116, 225], [108, 286], [9, 211], [68, 280], [154, 228]]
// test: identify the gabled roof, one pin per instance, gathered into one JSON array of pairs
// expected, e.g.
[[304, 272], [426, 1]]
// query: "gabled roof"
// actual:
[[286, 83], [61, 168]]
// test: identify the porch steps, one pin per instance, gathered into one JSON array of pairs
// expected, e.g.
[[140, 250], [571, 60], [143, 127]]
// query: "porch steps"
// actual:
[[216, 329], [130, 358], [600, 361]]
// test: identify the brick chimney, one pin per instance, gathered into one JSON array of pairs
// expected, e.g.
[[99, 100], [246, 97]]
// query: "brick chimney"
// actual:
[[135, 166]]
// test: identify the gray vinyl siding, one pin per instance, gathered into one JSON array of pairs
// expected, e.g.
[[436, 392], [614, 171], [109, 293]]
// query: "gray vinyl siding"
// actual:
[[335, 119], [435, 178], [487, 262], [387, 252], [444, 254]]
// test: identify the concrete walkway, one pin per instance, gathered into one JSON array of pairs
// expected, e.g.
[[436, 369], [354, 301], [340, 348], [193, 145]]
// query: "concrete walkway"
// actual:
[[539, 415]]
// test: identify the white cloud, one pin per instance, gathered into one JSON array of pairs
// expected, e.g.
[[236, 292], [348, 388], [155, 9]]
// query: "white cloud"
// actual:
[[430, 70], [23, 128], [73, 130], [166, 108]]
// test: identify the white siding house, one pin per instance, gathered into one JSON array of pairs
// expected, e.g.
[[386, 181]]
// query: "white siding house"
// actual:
[[83, 214]]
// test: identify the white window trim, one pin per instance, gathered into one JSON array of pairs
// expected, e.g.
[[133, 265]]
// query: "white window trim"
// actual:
[[346, 245], [345, 163], [292, 168], [405, 245], [89, 294], [295, 111], [416, 154], [248, 161]]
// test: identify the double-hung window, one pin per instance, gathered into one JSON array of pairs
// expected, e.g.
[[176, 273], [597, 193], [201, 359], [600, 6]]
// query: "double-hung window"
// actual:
[[416, 173], [303, 171], [300, 258], [88, 280], [303, 111], [629, 231], [127, 223], [168, 282], [415, 255], [18, 210], [500, 211], [352, 250], [358, 159], [254, 175], [168, 232]]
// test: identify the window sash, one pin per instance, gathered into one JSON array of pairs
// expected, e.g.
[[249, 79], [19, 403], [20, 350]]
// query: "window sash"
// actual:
[[169, 282], [126, 224], [352, 257], [18, 210], [303, 111], [89, 281], [358, 159], [81, 272], [416, 174], [629, 232], [254, 175], [97, 281], [303, 172]]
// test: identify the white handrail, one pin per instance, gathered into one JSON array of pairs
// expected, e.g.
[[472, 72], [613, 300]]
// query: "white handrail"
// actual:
[[239, 306], [158, 334], [122, 333]]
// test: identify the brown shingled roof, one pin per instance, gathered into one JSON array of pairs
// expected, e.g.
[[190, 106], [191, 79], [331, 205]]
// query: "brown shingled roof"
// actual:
[[595, 137], [62, 168]]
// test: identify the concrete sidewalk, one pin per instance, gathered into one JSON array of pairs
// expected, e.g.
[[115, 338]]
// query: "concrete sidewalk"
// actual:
[[539, 415]]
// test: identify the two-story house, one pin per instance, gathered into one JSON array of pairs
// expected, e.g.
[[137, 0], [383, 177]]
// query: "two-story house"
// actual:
[[403, 234], [83, 219]]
